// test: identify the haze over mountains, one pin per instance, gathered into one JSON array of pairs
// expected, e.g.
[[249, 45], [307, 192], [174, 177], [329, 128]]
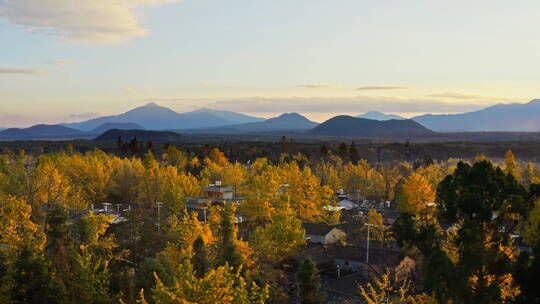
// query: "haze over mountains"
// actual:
[[376, 115], [155, 117], [152, 117], [285, 122], [50, 132], [515, 117]]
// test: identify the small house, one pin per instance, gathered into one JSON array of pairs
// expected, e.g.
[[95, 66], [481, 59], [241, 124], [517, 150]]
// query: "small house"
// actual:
[[324, 234], [347, 205]]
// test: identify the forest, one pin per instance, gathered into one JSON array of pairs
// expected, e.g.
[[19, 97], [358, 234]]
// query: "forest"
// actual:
[[117, 226]]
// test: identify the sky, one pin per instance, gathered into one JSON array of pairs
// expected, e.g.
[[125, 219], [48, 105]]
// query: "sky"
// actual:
[[71, 60]]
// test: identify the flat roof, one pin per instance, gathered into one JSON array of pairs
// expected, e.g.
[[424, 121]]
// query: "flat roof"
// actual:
[[218, 188]]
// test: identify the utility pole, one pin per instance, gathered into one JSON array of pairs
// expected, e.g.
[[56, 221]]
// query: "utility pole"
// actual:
[[159, 204], [204, 213], [367, 249]]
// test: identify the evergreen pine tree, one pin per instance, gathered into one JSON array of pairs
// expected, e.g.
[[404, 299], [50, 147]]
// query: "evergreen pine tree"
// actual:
[[200, 258], [343, 151], [353, 153], [309, 283], [229, 250], [30, 280]]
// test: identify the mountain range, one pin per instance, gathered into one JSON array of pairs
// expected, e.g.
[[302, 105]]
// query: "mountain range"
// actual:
[[50, 132], [155, 117], [152, 117], [285, 122], [514, 117], [60, 132]]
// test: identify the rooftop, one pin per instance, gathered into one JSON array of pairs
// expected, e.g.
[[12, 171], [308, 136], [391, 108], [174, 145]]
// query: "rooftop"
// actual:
[[318, 229], [218, 189]]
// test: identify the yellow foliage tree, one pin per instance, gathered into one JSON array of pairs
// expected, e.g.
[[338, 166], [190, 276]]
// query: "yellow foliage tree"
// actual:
[[511, 166], [385, 290], [305, 192], [219, 285], [16, 226], [417, 197], [281, 237]]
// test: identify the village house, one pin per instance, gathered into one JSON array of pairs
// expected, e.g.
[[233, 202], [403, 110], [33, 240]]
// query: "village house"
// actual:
[[324, 234], [214, 195]]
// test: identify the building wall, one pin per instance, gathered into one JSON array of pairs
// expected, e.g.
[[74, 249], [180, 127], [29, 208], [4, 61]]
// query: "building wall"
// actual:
[[228, 195], [334, 236]]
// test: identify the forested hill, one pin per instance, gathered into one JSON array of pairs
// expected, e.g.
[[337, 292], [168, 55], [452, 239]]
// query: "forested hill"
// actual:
[[349, 126], [116, 125], [143, 135]]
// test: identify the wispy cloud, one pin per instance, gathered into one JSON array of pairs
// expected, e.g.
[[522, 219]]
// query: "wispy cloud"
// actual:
[[320, 86], [380, 88], [95, 21], [454, 95], [22, 71], [61, 61]]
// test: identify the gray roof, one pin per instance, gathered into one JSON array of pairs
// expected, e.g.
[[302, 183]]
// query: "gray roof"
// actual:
[[318, 229], [218, 189]]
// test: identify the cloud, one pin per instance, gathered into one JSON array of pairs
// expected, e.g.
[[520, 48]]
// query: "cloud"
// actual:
[[61, 61], [88, 21], [380, 88], [453, 95], [21, 71], [148, 88], [320, 86]]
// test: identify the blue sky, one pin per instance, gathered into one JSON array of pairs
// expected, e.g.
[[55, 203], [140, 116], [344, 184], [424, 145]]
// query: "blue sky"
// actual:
[[75, 59]]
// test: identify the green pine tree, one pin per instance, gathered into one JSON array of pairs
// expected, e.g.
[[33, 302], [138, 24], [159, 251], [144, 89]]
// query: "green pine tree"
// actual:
[[200, 258], [229, 250], [309, 283]]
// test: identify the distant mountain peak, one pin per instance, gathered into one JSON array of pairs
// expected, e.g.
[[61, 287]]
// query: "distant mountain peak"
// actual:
[[151, 104], [377, 115], [348, 126], [535, 101], [203, 109], [289, 116]]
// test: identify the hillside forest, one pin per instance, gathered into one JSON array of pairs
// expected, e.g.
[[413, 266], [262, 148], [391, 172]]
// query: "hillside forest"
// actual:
[[103, 227]]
